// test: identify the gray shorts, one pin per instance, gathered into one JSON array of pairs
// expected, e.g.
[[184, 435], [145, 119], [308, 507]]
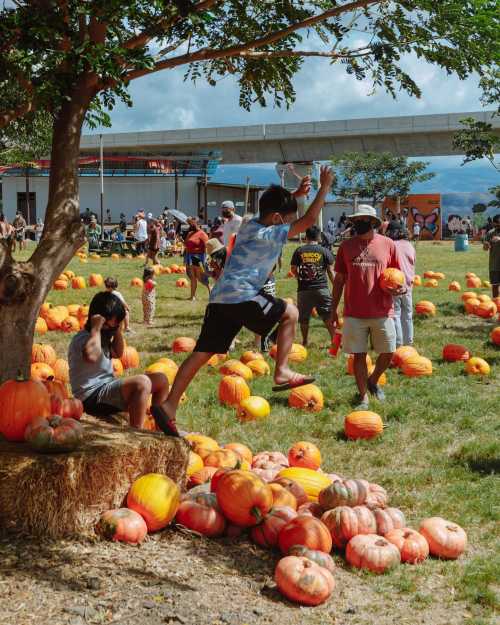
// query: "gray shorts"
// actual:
[[356, 332], [106, 400], [320, 299]]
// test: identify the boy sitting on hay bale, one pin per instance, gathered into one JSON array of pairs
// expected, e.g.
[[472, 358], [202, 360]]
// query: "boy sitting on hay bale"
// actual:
[[90, 356]]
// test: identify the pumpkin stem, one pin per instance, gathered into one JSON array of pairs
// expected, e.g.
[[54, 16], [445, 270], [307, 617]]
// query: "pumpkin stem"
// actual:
[[257, 514], [20, 376]]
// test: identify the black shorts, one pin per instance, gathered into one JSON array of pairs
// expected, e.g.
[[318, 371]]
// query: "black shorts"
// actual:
[[223, 321], [494, 277]]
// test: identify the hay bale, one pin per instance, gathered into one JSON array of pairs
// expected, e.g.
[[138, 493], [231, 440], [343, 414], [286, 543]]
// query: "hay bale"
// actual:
[[63, 495]]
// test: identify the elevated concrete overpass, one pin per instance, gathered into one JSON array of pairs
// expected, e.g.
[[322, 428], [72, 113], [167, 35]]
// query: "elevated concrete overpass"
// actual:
[[418, 135]]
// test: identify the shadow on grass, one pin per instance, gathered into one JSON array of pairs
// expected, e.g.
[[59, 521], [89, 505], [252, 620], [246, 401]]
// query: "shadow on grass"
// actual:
[[480, 456]]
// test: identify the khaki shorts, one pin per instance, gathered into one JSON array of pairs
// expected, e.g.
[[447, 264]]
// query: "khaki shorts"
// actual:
[[355, 334]]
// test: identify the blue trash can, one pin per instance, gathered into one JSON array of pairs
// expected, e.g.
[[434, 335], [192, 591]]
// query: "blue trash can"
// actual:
[[461, 243]]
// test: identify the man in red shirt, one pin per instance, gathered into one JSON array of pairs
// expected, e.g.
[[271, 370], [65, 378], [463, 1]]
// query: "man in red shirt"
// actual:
[[368, 310]]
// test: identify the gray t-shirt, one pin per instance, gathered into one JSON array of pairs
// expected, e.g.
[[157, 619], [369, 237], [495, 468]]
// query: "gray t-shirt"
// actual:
[[86, 377]]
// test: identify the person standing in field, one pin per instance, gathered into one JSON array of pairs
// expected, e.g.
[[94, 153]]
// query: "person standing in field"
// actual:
[[154, 238], [368, 309], [19, 225], [237, 299], [232, 223], [416, 231], [148, 296], [492, 244], [312, 265], [140, 232], [403, 304], [195, 256]]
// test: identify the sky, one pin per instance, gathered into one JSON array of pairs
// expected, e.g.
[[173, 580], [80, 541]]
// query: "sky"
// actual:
[[324, 92]]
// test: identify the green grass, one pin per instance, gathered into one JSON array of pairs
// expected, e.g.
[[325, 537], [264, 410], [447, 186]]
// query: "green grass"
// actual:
[[438, 455]]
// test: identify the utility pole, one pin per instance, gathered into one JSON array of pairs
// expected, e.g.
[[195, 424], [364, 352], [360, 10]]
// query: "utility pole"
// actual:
[[101, 167]]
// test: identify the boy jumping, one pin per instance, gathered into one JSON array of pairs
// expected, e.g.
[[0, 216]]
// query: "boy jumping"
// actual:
[[237, 299]]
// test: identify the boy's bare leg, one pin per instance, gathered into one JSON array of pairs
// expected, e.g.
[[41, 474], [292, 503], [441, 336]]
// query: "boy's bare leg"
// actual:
[[186, 373], [286, 334]]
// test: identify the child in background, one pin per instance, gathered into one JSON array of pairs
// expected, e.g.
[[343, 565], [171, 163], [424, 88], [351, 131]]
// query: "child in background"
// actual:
[[148, 296], [403, 304], [111, 285]]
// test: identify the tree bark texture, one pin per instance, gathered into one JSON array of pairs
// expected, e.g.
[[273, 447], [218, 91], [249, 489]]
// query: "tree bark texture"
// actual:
[[24, 285]]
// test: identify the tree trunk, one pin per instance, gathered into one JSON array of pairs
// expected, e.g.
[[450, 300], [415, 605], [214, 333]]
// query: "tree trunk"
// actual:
[[24, 285]]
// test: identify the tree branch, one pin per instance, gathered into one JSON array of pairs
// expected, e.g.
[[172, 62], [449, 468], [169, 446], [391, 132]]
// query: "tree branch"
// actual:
[[302, 53], [143, 38], [6, 117], [209, 54]]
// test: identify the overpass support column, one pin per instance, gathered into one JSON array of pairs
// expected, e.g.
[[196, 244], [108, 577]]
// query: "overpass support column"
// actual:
[[290, 174]]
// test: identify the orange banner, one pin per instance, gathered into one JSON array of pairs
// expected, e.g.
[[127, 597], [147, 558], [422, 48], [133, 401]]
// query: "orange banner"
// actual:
[[424, 208]]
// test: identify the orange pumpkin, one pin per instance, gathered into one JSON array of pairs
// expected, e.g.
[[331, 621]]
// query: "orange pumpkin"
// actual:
[[78, 282], [282, 497], [70, 324], [363, 424], [130, 358], [301, 580], [233, 390], [181, 283], [412, 546], [417, 281], [137, 282], [259, 367], [484, 298], [55, 317], [122, 525], [470, 274], [350, 363], [308, 397], [41, 352], [156, 498], [424, 308], [445, 539], [95, 279], [298, 353], [455, 353], [454, 286], [202, 476], [486, 310], [428, 274], [248, 356], [477, 366], [201, 514], [244, 498], [60, 285], [470, 305], [61, 370], [202, 445], [162, 367], [391, 279], [401, 354], [235, 367], [41, 326], [41, 371], [417, 366], [304, 454], [183, 344], [495, 336], [241, 450], [117, 367], [388, 519], [266, 533], [20, 402], [432, 283], [372, 552], [305, 530], [438, 275], [344, 522], [293, 487], [473, 282], [468, 295]]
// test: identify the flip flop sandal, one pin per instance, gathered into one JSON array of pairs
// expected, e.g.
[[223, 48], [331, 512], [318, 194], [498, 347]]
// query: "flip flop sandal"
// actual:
[[163, 421], [295, 383]]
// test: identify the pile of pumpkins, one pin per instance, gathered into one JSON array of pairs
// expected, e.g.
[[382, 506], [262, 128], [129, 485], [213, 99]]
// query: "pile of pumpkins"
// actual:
[[70, 318], [287, 504]]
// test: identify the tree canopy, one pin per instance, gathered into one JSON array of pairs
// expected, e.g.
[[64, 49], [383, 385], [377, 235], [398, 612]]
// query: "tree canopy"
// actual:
[[51, 49], [377, 175]]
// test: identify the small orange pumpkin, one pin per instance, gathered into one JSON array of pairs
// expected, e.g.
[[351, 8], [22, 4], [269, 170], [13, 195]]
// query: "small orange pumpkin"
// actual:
[[495, 336], [391, 279], [117, 367], [301, 580], [473, 282], [70, 324], [233, 390], [41, 326], [412, 546], [40, 371], [486, 310], [61, 370], [183, 344], [304, 454], [416, 366], [424, 308], [244, 498], [454, 286], [137, 282], [248, 356], [363, 424], [95, 279], [308, 397], [130, 358], [253, 408], [235, 367], [305, 530], [242, 450], [477, 366], [41, 352], [78, 282]]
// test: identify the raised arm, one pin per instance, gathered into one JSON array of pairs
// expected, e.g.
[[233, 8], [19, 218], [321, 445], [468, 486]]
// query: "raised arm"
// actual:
[[92, 349], [311, 217]]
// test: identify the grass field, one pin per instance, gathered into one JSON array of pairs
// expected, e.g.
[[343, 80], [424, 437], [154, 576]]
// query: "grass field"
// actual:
[[438, 456]]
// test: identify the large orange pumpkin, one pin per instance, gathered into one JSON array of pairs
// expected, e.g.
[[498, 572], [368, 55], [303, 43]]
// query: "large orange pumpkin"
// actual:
[[424, 308], [391, 279], [244, 498], [235, 367], [446, 539], [233, 390], [130, 358], [304, 454], [20, 402], [259, 367], [305, 530], [470, 305], [417, 366], [486, 310], [61, 370], [363, 424], [401, 354], [183, 344], [301, 580], [473, 282], [41, 352], [477, 366], [55, 317], [156, 498], [453, 352], [308, 397], [344, 522], [495, 336]]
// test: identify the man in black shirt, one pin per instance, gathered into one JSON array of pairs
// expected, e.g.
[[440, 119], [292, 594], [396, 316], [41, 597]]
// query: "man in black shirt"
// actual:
[[312, 265]]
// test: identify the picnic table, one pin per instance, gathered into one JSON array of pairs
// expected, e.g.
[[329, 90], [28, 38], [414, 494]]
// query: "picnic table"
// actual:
[[107, 247]]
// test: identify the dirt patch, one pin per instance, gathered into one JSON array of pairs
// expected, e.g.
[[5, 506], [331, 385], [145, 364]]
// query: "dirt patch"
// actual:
[[181, 579]]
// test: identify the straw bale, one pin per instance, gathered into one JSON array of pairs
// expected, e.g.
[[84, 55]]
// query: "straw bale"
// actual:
[[63, 495]]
